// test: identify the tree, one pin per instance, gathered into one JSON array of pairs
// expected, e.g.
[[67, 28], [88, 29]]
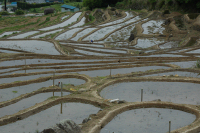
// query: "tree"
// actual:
[[5, 6]]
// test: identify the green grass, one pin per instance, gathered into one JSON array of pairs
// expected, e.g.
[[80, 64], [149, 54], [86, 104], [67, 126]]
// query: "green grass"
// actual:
[[67, 84], [198, 64], [102, 77], [53, 97], [14, 91], [18, 27]]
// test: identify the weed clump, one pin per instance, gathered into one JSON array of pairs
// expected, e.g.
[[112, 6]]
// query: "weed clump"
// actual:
[[198, 64], [19, 12]]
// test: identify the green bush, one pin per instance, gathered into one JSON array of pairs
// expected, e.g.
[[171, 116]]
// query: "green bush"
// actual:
[[119, 5], [19, 12], [198, 64], [4, 13], [91, 18], [0, 16], [47, 18], [166, 12]]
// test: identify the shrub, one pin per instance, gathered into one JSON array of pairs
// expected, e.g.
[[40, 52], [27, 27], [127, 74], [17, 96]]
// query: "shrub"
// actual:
[[166, 12], [198, 64], [19, 12], [119, 5], [91, 17], [47, 18], [0, 16], [4, 13]]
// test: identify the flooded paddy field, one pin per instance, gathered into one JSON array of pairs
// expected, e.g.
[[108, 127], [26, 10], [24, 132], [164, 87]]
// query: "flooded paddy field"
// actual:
[[41, 47], [44, 119], [152, 27], [178, 73], [176, 92], [67, 34], [13, 92], [28, 102], [148, 120], [23, 35], [8, 33], [47, 33], [65, 23], [103, 65], [146, 42]]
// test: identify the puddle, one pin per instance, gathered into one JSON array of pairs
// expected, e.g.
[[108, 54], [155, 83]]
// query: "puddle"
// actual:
[[47, 33], [10, 93], [68, 34], [49, 117], [9, 33], [194, 51], [153, 27], [34, 46], [28, 102], [91, 53], [148, 120], [180, 73], [65, 23], [88, 45], [106, 72], [145, 43], [23, 35], [82, 33], [82, 22], [64, 17], [186, 64], [169, 45], [176, 92]]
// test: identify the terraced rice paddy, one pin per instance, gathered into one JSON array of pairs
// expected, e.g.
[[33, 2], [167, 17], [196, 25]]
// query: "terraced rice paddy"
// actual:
[[123, 85]]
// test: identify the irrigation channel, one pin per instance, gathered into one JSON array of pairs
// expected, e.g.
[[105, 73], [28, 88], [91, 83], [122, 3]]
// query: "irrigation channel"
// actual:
[[136, 75]]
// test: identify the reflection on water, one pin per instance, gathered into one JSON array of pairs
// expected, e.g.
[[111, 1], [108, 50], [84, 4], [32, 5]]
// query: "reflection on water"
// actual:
[[149, 120], [49, 117], [176, 92]]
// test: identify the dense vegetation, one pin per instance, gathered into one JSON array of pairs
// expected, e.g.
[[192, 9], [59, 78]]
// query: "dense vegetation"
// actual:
[[91, 4], [181, 5]]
